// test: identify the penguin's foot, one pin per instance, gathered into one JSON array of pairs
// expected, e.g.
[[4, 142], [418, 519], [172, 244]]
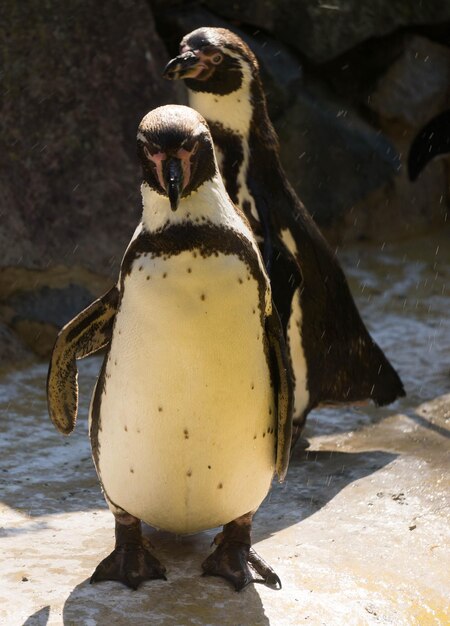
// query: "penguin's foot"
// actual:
[[238, 563], [130, 564]]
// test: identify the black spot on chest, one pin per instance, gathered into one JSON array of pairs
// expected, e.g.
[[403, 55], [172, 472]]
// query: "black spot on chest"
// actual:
[[206, 239]]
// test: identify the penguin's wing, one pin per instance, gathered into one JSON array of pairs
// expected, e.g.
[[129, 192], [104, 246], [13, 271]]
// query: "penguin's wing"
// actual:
[[285, 278], [282, 376], [282, 267], [87, 333]]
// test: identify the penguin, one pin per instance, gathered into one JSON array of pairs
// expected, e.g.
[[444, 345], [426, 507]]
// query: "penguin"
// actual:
[[191, 415], [333, 356], [431, 141]]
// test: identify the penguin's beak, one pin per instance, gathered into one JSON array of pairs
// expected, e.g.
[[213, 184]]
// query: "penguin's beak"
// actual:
[[186, 65], [173, 177]]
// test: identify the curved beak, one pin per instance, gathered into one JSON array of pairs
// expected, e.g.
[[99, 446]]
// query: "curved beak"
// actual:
[[186, 65], [173, 178]]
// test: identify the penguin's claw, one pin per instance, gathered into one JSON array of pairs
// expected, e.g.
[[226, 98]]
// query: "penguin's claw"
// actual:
[[269, 577], [239, 564], [129, 564]]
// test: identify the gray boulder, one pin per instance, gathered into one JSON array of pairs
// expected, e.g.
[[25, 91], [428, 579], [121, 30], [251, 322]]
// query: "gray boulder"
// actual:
[[416, 86], [331, 156], [410, 92], [12, 350], [322, 30], [77, 78]]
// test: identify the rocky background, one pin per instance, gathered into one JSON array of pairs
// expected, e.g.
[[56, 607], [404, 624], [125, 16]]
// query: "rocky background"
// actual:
[[349, 84]]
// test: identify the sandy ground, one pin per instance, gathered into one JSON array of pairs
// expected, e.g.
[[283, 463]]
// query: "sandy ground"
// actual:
[[359, 533]]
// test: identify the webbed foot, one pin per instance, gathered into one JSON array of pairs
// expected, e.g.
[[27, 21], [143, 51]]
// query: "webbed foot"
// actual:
[[131, 562], [239, 564]]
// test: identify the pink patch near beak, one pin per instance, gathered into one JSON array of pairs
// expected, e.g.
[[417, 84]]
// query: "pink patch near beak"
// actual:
[[182, 154], [157, 159], [185, 158]]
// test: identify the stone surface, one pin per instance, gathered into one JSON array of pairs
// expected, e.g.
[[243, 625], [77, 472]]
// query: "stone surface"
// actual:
[[399, 209], [358, 533], [35, 304], [76, 81], [416, 86], [324, 30], [12, 350], [331, 156], [407, 95]]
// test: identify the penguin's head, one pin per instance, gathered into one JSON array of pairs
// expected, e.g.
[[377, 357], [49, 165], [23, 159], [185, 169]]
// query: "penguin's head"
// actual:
[[176, 151], [212, 60]]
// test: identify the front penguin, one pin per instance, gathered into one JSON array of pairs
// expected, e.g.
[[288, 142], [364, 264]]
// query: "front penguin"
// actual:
[[192, 410]]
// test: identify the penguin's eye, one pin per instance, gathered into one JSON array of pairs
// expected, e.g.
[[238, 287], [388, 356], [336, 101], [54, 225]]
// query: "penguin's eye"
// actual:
[[217, 58]]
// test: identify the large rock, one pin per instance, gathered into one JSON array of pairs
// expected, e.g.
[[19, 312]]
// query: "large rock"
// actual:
[[323, 30], [77, 78], [399, 209], [331, 156], [416, 86], [12, 350], [406, 96]]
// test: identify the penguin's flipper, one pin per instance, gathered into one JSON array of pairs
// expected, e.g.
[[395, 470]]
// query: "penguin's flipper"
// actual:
[[285, 277], [283, 381], [87, 333]]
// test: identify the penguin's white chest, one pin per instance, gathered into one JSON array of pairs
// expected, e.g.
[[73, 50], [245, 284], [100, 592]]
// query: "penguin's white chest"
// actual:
[[187, 419]]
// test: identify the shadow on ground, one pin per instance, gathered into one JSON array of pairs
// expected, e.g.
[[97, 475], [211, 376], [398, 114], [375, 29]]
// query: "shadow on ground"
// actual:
[[314, 479], [188, 598], [182, 601], [40, 618]]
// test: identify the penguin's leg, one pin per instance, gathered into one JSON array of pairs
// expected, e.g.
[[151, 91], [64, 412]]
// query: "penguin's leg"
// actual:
[[235, 560], [131, 562]]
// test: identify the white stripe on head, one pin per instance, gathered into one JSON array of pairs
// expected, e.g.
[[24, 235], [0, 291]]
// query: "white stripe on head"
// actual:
[[141, 137]]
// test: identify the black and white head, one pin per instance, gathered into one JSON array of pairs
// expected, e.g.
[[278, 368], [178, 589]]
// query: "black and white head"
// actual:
[[176, 152], [213, 60]]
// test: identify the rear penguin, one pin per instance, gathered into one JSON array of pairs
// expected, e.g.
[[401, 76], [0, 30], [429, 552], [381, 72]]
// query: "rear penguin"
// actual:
[[334, 358]]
